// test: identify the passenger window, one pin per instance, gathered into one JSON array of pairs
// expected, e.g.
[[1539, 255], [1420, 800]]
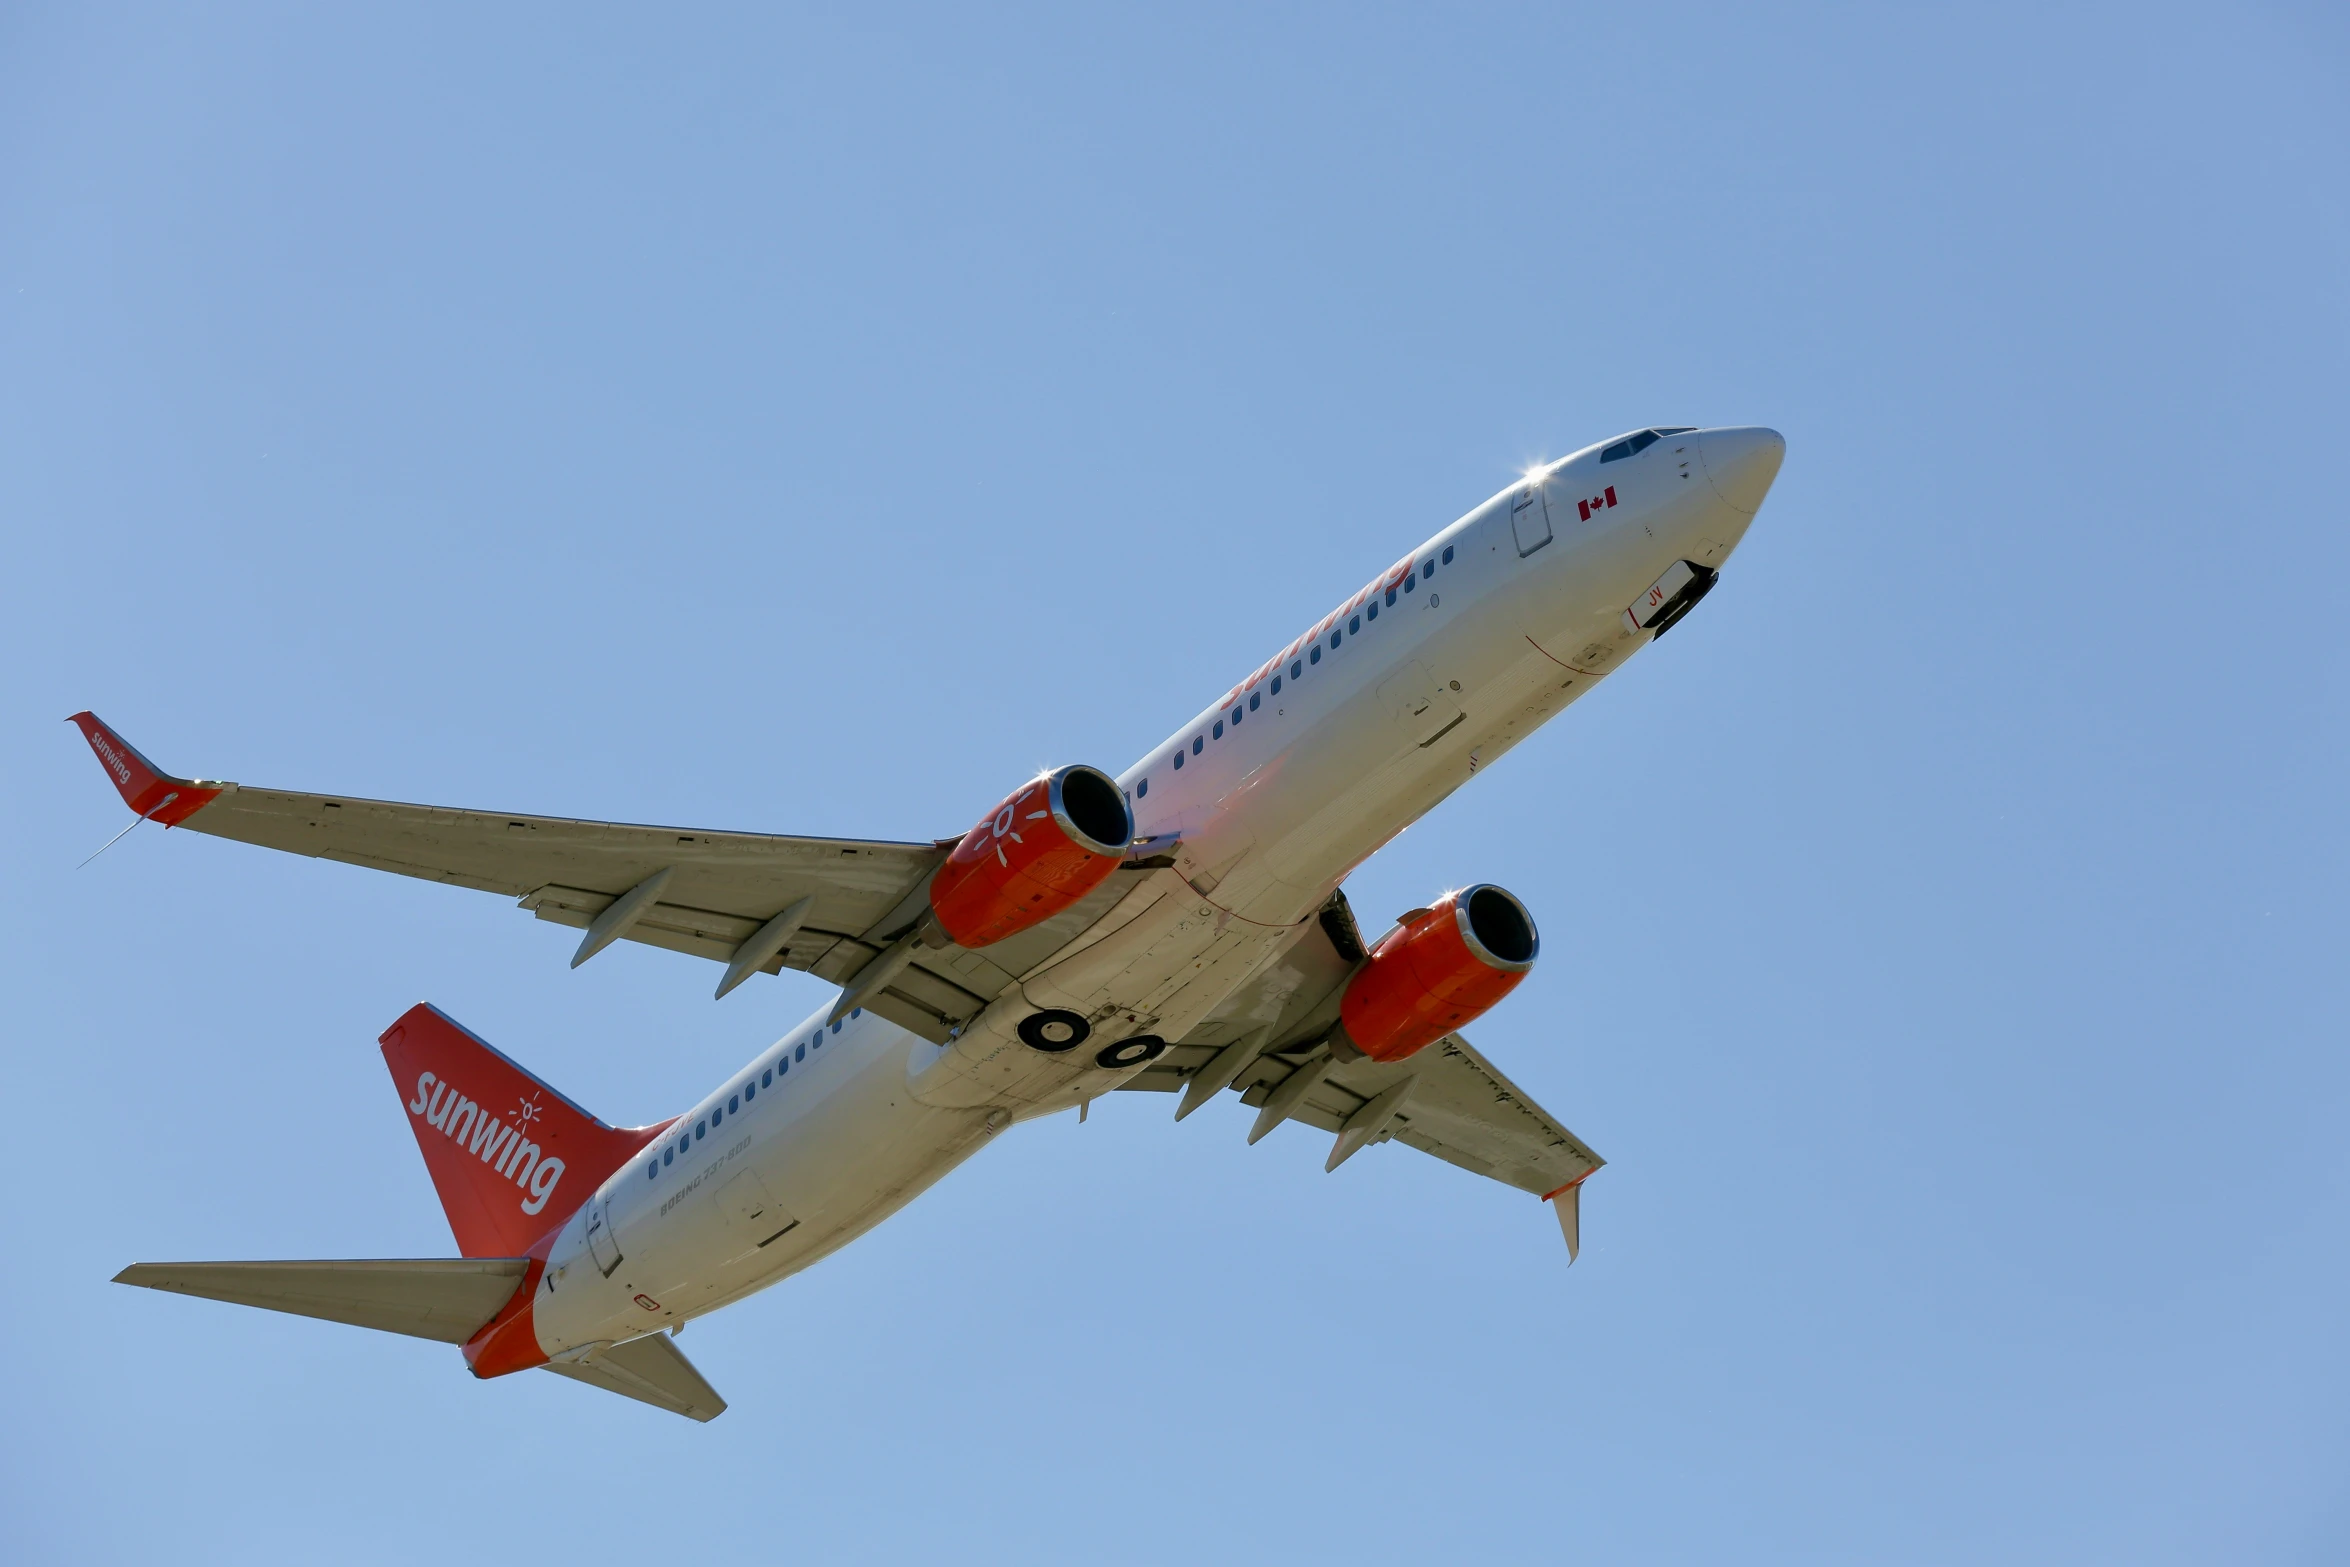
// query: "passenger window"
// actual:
[[1196, 743], [1253, 700], [716, 1115], [1447, 555], [1409, 579], [1428, 567], [855, 1013], [835, 1029], [1334, 635], [668, 1156], [1276, 685], [1372, 613], [1218, 731], [1354, 625], [1316, 656], [767, 1078], [1295, 669], [1391, 593], [750, 1092], [800, 1054], [1179, 761], [1238, 714], [1142, 788], [700, 1128], [652, 1169], [734, 1102]]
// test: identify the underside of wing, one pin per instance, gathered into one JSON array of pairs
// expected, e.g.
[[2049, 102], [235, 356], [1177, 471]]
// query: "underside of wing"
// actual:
[[711, 891], [755, 902], [1458, 1106], [1271, 1043]]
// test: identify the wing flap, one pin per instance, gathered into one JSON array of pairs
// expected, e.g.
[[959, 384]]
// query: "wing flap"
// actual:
[[443, 1298], [651, 1370]]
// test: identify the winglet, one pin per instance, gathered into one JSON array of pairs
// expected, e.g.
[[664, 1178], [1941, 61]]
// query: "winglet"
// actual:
[[145, 788], [1568, 1201]]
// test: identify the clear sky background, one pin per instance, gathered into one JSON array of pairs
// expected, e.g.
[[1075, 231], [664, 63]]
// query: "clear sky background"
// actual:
[[815, 420]]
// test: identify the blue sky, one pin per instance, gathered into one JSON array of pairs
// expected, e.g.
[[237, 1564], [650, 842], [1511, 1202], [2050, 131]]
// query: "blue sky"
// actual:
[[814, 420]]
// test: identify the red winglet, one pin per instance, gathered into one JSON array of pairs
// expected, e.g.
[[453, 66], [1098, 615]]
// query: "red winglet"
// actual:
[[145, 788]]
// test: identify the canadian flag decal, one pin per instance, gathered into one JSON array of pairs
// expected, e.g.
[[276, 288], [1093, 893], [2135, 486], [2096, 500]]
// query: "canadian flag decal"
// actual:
[[1584, 509]]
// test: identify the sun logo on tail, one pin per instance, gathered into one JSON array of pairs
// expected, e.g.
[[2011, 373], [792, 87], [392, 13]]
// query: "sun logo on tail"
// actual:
[[526, 1112]]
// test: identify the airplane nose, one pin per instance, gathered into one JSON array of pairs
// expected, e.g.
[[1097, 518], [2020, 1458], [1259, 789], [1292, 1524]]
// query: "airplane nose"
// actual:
[[1741, 463]]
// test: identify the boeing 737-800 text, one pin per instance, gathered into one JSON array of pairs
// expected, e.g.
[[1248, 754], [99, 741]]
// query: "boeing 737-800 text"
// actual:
[[1179, 927]]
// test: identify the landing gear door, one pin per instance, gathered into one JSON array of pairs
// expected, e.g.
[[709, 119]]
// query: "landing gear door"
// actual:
[[1530, 519], [599, 1234]]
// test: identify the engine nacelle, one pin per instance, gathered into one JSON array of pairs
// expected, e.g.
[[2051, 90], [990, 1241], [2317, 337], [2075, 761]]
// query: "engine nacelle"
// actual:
[[1055, 840], [1439, 968]]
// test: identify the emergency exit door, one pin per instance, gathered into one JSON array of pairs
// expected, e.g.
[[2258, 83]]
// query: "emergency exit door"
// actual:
[[1530, 520]]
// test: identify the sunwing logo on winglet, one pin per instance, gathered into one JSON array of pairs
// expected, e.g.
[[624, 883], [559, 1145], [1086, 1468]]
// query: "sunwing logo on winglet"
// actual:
[[110, 758], [503, 1147]]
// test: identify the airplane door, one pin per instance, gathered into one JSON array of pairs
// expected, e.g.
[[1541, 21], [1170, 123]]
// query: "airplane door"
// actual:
[[1530, 520], [599, 1227]]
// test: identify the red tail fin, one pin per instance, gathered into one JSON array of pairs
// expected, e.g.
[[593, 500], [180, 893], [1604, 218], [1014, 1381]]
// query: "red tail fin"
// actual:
[[509, 1155]]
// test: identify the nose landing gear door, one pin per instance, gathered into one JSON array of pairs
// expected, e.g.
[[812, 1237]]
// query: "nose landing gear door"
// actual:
[[1530, 519], [599, 1235]]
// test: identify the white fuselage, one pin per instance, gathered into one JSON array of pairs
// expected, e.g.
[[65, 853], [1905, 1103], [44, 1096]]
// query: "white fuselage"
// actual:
[[1284, 788]]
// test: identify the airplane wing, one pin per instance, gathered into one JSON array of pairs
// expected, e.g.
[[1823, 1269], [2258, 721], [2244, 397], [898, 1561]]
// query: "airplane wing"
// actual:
[[757, 902], [1267, 1043]]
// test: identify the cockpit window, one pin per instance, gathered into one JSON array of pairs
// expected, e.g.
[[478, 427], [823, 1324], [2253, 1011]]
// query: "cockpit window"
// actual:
[[1642, 440]]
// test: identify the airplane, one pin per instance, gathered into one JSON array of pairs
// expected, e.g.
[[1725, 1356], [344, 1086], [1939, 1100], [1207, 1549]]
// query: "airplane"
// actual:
[[1179, 928]]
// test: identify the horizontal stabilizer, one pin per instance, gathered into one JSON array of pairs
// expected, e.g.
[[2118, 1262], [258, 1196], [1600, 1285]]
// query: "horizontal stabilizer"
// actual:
[[444, 1298], [651, 1370]]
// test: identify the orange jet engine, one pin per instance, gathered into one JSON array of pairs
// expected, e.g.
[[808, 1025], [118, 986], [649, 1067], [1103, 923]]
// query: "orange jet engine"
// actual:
[[1439, 968], [1055, 840]]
